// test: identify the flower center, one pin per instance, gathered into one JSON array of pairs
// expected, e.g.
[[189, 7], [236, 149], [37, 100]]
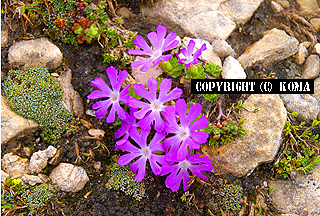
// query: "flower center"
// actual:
[[183, 133], [146, 152], [157, 54], [114, 97], [156, 106], [184, 164]]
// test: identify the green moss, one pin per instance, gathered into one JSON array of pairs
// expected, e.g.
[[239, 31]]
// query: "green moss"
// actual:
[[36, 95], [122, 178]]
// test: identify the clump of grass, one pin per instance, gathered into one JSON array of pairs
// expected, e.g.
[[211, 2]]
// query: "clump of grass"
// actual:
[[36, 95]]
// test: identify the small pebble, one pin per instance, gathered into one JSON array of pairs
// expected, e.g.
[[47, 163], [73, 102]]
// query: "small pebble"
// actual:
[[55, 74]]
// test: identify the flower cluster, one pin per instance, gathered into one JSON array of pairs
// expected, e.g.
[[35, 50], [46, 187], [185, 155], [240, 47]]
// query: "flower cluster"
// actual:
[[174, 129]]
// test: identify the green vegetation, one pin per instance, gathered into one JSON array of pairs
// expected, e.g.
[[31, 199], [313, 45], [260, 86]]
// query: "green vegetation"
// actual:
[[226, 132], [15, 197], [36, 95], [86, 30], [230, 196], [122, 178], [303, 143]]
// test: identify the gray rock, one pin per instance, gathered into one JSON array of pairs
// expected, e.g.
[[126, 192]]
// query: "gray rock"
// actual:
[[39, 159], [316, 94], [14, 165], [308, 5], [13, 125], [299, 197], [142, 77], [3, 176], [301, 55], [40, 52], [261, 144], [316, 23], [71, 99], [276, 7], [275, 46], [31, 180], [4, 36], [232, 69], [305, 105], [208, 55], [206, 19], [222, 48], [317, 48], [68, 177], [311, 68]]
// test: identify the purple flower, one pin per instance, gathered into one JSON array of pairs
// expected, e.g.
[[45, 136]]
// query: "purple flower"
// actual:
[[125, 128], [160, 44], [179, 171], [145, 152], [150, 112], [186, 134], [187, 58], [114, 95]]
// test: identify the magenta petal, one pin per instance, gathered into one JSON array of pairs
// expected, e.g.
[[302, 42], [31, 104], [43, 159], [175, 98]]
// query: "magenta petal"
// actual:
[[190, 48], [201, 123], [122, 76], [127, 158], [140, 42], [170, 42], [112, 113], [153, 87], [103, 105], [147, 65], [155, 144], [199, 51], [181, 108], [142, 113], [194, 112], [172, 95], [200, 137], [184, 51], [165, 87], [173, 141], [112, 74], [140, 164], [159, 123], [101, 84], [140, 90], [95, 94], [138, 52], [156, 169], [153, 38]]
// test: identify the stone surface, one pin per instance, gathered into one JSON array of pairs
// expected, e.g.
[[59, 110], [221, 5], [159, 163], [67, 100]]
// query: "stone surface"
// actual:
[[206, 19], [275, 46], [208, 55], [142, 77], [71, 99], [311, 68], [305, 105], [14, 165], [13, 125], [316, 23], [125, 13], [39, 159], [276, 7], [264, 129], [222, 48], [97, 133], [300, 197], [4, 36], [284, 3], [316, 94], [301, 55], [308, 5], [68, 177], [3, 176], [40, 52], [232, 69], [31, 180], [317, 48]]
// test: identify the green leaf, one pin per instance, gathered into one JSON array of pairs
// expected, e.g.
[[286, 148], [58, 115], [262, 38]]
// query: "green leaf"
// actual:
[[210, 97], [212, 69], [172, 67], [133, 94], [294, 114]]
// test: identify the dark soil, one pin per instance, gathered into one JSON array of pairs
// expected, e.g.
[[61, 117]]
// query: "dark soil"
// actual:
[[86, 64]]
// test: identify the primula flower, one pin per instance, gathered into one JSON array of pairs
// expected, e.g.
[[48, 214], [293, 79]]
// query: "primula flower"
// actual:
[[160, 44], [186, 57], [125, 128], [114, 95], [150, 112], [179, 171], [186, 134], [145, 152]]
